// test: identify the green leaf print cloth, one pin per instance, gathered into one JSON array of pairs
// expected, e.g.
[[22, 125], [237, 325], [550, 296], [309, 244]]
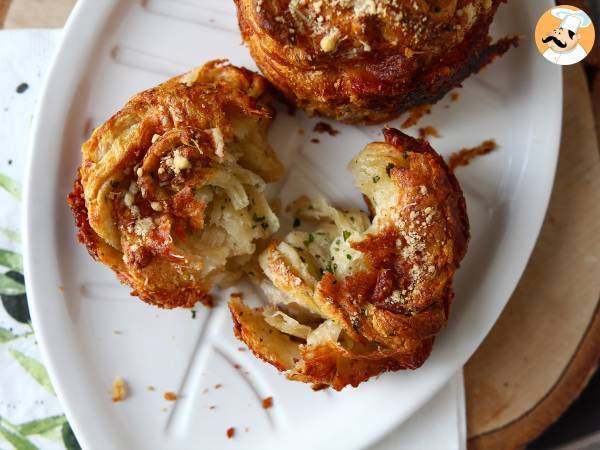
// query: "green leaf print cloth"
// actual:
[[30, 414]]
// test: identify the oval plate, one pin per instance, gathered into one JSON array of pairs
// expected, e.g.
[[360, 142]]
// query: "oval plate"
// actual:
[[90, 330]]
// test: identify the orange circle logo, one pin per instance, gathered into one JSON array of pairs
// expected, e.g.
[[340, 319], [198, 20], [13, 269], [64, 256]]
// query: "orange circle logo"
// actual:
[[564, 35]]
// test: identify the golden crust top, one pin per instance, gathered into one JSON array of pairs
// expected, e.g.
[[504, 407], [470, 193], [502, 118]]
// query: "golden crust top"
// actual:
[[364, 296], [367, 61], [348, 29], [170, 187]]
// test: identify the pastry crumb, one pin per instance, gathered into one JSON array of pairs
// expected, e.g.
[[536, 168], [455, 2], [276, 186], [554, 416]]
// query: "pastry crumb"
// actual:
[[267, 402], [119, 389], [170, 396], [415, 114], [464, 156], [425, 132], [323, 127], [218, 386]]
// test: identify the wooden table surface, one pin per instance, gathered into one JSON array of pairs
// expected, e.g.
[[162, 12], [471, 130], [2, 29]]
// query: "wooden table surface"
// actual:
[[546, 345]]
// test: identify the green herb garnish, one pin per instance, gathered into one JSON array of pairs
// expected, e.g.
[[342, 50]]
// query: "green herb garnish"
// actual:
[[389, 168], [310, 239]]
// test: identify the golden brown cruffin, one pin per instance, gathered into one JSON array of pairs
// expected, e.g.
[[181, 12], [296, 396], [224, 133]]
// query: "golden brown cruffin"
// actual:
[[367, 61], [170, 190], [353, 297]]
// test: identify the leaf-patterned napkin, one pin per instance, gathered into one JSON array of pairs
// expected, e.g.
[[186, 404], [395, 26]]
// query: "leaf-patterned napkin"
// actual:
[[30, 414]]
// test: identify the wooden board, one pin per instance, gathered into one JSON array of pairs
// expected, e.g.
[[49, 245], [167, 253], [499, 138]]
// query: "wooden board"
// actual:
[[4, 4], [36, 13], [546, 344]]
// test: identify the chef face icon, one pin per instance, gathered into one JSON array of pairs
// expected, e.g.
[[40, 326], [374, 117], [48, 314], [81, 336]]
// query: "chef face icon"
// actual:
[[565, 35], [561, 40]]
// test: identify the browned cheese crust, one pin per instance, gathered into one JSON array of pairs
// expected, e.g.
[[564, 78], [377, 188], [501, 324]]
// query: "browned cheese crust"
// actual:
[[168, 186], [385, 285], [367, 61]]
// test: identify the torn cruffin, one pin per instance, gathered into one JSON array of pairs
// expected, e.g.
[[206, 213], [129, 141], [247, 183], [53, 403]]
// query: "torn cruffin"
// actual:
[[170, 193], [352, 296]]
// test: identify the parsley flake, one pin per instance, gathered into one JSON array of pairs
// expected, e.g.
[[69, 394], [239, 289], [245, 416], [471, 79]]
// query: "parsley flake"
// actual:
[[310, 239], [389, 168]]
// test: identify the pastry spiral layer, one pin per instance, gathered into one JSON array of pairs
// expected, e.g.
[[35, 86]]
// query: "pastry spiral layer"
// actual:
[[170, 189], [367, 61], [354, 297]]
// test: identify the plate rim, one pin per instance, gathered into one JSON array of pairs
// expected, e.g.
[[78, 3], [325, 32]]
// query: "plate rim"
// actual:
[[48, 103]]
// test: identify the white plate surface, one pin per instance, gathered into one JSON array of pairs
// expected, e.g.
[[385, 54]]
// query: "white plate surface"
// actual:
[[112, 50]]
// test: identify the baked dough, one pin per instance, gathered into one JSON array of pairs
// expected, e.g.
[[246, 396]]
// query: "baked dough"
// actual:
[[367, 61], [170, 190], [352, 297]]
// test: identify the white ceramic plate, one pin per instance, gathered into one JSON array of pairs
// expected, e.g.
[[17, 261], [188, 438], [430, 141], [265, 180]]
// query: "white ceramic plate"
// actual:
[[112, 50]]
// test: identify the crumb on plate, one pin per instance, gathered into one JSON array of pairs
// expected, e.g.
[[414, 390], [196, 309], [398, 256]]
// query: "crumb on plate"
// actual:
[[425, 132], [267, 402], [415, 114], [323, 127], [170, 396], [119, 389], [464, 156]]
